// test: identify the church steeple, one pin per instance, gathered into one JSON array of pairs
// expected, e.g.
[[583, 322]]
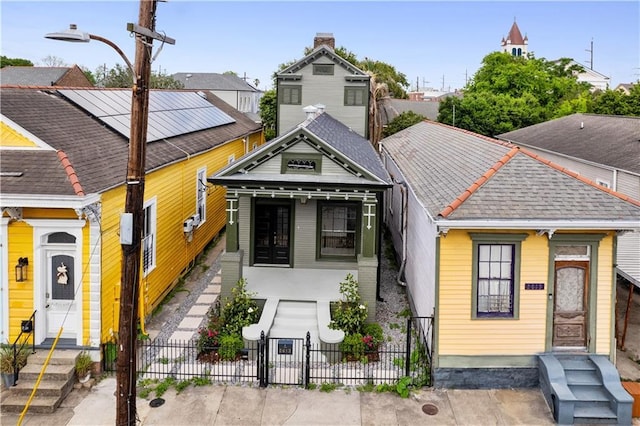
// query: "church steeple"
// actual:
[[514, 43]]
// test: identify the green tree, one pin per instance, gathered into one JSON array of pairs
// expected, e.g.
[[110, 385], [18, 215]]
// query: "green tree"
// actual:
[[614, 102], [402, 121], [121, 76], [268, 110], [509, 92], [14, 62]]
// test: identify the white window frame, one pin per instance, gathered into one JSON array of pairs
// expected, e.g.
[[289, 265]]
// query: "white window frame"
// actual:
[[201, 195], [603, 182], [149, 236]]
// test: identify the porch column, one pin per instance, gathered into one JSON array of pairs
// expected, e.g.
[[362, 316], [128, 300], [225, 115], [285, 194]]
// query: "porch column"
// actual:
[[232, 224], [369, 228]]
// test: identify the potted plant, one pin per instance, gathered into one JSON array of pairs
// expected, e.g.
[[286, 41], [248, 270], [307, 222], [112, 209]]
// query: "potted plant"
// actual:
[[84, 365], [8, 363]]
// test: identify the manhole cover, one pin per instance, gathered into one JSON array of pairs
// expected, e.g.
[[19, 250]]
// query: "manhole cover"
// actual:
[[159, 401], [430, 409]]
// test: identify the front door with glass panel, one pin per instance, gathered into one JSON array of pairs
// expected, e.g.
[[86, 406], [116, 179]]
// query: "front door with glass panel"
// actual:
[[60, 297], [271, 236], [570, 308]]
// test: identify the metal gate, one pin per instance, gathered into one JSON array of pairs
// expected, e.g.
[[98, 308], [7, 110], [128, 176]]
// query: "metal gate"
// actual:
[[285, 361]]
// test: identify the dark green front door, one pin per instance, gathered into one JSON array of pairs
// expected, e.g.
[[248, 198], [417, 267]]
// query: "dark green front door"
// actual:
[[271, 238]]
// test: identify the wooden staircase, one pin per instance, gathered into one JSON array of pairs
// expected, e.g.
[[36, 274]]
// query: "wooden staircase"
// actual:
[[57, 382]]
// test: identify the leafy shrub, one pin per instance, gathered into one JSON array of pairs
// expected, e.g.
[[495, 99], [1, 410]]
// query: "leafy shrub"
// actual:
[[372, 335], [353, 346], [349, 314], [230, 345], [208, 336], [240, 311]]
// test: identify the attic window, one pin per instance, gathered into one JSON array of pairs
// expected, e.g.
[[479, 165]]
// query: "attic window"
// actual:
[[323, 69], [296, 163]]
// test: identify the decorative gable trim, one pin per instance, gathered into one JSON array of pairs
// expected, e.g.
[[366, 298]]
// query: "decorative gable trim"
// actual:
[[315, 55]]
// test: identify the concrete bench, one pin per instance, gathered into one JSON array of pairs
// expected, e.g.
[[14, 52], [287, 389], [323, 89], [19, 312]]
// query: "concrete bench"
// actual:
[[252, 332], [326, 334]]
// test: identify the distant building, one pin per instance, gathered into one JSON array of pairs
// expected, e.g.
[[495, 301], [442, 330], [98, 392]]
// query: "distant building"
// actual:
[[229, 87], [44, 76], [514, 43], [597, 80], [624, 88]]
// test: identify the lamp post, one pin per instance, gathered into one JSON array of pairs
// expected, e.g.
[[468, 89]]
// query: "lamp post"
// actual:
[[133, 212]]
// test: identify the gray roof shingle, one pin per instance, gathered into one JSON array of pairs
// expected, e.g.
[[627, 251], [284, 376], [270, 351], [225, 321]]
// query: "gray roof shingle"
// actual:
[[441, 164], [31, 76], [213, 81], [604, 139]]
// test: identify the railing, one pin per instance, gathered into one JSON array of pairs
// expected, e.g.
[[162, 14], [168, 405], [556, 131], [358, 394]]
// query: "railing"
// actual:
[[27, 329], [290, 361]]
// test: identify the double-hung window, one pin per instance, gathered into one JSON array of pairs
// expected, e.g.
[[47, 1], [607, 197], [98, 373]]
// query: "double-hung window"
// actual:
[[338, 230], [201, 195], [355, 96], [149, 237], [496, 272], [290, 95]]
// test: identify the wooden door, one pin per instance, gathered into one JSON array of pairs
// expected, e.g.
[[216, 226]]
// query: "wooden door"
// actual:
[[570, 307]]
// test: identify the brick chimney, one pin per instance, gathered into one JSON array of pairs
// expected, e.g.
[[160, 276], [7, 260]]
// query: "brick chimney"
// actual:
[[324, 38]]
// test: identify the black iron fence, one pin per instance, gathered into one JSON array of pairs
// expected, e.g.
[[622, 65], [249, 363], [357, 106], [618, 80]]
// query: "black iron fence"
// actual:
[[289, 361]]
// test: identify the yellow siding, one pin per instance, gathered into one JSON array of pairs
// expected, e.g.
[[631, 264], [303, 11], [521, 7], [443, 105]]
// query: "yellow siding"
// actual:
[[459, 334], [49, 213], [10, 137], [604, 294], [20, 293], [174, 188]]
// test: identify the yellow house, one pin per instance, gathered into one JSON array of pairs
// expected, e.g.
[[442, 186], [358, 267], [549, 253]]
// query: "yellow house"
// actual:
[[513, 256], [63, 169]]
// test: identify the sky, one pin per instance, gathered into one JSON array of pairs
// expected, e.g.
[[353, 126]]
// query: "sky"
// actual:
[[434, 44]]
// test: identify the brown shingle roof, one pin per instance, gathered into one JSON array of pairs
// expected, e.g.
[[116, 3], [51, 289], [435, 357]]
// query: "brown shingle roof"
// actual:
[[98, 154]]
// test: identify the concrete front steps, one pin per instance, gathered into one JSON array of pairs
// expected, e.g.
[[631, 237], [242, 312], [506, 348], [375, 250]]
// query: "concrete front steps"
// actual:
[[584, 388], [57, 382], [294, 320]]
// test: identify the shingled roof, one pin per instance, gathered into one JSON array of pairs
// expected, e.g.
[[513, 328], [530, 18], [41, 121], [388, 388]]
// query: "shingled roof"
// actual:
[[213, 81], [459, 175], [603, 139], [97, 154]]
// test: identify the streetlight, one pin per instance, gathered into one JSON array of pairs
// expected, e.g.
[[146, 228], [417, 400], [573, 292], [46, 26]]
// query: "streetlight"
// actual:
[[133, 213]]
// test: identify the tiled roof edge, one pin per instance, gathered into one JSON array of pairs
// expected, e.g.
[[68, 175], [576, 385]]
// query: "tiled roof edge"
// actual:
[[580, 178], [478, 183], [71, 173]]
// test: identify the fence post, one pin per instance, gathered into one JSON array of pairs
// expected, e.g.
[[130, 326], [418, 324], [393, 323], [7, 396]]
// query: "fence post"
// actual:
[[307, 366], [408, 353], [261, 363]]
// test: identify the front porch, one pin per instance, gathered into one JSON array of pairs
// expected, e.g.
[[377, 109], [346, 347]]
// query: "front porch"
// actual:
[[295, 284]]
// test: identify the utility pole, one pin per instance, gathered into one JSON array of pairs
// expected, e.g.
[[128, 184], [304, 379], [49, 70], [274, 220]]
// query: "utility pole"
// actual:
[[591, 55], [127, 328]]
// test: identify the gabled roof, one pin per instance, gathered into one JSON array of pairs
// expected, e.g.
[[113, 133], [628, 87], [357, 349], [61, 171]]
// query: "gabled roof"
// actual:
[[390, 108], [322, 50], [33, 76], [611, 140], [97, 155], [329, 137], [213, 81], [459, 175]]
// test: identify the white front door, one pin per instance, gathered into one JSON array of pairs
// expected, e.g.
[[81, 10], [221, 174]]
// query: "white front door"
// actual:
[[63, 283]]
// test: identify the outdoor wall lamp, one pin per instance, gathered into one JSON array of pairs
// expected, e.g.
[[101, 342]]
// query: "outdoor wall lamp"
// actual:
[[21, 269]]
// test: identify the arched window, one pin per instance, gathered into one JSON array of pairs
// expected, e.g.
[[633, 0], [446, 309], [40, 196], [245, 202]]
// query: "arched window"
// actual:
[[513, 51], [61, 238], [519, 52]]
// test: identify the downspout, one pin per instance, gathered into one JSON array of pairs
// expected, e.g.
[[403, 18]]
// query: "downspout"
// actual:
[[404, 213]]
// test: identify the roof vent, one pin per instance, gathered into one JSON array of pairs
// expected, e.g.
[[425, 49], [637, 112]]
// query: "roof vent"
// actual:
[[310, 111], [582, 124], [321, 108]]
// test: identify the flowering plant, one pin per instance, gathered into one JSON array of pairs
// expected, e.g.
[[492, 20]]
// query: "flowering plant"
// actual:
[[208, 338], [349, 313], [369, 342], [240, 311]]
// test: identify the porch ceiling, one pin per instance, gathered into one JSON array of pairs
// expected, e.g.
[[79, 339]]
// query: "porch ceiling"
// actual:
[[295, 284]]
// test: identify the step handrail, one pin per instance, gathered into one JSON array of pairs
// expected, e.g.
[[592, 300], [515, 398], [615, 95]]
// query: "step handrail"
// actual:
[[27, 328]]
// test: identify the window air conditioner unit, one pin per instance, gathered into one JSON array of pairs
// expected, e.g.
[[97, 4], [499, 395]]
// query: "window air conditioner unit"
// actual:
[[196, 219], [187, 226]]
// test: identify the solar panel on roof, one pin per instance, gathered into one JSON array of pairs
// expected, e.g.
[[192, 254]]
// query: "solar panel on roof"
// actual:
[[170, 113]]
